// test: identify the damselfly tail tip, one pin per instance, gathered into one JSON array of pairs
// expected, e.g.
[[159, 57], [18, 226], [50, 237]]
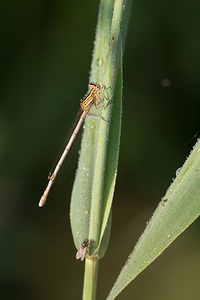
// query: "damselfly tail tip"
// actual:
[[42, 201], [40, 204]]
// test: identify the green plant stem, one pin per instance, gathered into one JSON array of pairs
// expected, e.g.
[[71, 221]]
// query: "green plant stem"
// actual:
[[90, 278]]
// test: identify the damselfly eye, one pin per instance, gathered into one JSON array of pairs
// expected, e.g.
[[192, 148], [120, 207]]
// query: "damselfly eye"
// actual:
[[94, 85]]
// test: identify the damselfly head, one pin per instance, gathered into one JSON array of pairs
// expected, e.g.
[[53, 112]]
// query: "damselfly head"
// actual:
[[83, 250], [94, 85]]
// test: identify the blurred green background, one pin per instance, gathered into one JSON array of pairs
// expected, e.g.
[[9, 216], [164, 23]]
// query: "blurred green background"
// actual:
[[46, 50]]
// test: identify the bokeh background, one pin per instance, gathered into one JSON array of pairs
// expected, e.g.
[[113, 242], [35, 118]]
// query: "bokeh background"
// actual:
[[45, 56]]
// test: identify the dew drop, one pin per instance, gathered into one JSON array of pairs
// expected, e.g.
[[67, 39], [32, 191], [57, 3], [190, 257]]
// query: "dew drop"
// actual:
[[178, 171], [99, 62]]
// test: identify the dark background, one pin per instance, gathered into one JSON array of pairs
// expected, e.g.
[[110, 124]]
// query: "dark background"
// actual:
[[46, 49]]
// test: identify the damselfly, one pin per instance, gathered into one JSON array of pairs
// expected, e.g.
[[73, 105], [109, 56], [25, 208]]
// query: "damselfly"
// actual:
[[85, 106]]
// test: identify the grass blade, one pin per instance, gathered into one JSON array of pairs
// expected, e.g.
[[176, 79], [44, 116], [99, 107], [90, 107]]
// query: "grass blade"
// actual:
[[176, 211]]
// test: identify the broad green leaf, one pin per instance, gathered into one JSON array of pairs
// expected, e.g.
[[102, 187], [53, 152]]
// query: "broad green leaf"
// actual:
[[176, 211], [95, 179], [82, 205]]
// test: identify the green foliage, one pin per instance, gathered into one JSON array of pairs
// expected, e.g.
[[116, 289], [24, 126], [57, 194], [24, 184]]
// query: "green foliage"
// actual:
[[176, 211], [95, 179]]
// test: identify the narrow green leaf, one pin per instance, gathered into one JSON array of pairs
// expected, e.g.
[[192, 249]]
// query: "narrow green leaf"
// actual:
[[176, 211]]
